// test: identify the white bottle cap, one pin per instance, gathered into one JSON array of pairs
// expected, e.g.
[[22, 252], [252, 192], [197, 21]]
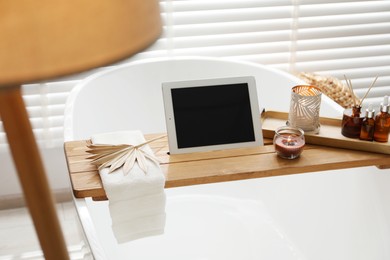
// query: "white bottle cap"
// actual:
[[385, 104], [370, 111]]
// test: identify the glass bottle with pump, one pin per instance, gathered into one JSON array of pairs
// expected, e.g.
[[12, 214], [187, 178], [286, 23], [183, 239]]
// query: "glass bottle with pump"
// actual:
[[368, 125], [382, 122]]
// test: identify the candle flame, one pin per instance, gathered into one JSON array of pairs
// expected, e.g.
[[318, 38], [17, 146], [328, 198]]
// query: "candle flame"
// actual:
[[290, 141]]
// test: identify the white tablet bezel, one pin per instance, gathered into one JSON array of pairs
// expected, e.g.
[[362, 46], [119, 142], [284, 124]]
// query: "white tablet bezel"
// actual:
[[170, 120]]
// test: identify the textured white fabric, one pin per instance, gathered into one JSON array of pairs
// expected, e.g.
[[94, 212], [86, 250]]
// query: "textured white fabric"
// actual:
[[136, 199]]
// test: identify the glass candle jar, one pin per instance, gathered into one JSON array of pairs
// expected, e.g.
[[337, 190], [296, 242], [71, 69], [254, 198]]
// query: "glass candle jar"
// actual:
[[289, 142], [305, 108]]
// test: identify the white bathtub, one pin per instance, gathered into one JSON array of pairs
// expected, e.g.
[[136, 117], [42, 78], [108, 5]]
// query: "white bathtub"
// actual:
[[338, 215]]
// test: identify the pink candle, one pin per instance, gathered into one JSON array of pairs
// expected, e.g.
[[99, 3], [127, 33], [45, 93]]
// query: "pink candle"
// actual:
[[289, 142]]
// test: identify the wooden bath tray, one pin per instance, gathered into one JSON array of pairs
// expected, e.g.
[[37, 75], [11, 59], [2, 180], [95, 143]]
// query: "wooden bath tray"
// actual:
[[219, 166], [329, 135]]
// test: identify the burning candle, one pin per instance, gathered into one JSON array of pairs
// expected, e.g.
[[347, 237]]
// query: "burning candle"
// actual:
[[289, 142]]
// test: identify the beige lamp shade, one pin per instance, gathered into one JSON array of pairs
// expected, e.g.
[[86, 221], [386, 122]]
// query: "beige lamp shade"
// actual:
[[50, 38]]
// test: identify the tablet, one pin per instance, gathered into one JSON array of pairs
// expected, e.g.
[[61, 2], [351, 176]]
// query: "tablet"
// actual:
[[212, 114]]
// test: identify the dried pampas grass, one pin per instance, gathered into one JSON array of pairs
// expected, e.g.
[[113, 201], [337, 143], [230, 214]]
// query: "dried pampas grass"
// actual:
[[332, 87]]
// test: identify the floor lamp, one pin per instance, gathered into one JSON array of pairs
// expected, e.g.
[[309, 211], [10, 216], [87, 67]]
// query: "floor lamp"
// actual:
[[45, 39]]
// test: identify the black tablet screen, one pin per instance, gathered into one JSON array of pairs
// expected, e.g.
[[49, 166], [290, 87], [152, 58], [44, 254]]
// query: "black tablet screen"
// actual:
[[212, 115]]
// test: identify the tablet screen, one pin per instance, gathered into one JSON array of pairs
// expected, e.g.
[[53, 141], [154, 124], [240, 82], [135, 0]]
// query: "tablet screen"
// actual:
[[212, 114]]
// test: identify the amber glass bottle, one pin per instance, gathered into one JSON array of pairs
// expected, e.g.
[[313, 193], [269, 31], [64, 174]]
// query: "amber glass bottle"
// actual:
[[382, 122], [352, 122], [368, 125]]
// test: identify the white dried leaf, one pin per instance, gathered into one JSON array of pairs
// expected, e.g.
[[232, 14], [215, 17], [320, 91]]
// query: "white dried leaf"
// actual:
[[123, 155], [129, 162]]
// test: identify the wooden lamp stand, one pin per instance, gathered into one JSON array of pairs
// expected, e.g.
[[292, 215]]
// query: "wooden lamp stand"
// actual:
[[31, 173]]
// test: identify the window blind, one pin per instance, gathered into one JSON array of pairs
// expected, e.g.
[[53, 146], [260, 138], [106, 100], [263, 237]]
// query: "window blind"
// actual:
[[328, 37], [45, 105], [346, 38]]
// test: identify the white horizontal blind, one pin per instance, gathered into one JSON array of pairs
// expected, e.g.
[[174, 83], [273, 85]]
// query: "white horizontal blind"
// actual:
[[329, 37], [253, 30], [45, 105], [345, 37]]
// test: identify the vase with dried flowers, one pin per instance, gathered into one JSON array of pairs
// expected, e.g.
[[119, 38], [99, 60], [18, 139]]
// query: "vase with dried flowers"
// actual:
[[352, 117]]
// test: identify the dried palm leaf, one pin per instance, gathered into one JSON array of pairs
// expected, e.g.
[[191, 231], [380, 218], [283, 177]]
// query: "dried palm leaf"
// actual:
[[116, 156]]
